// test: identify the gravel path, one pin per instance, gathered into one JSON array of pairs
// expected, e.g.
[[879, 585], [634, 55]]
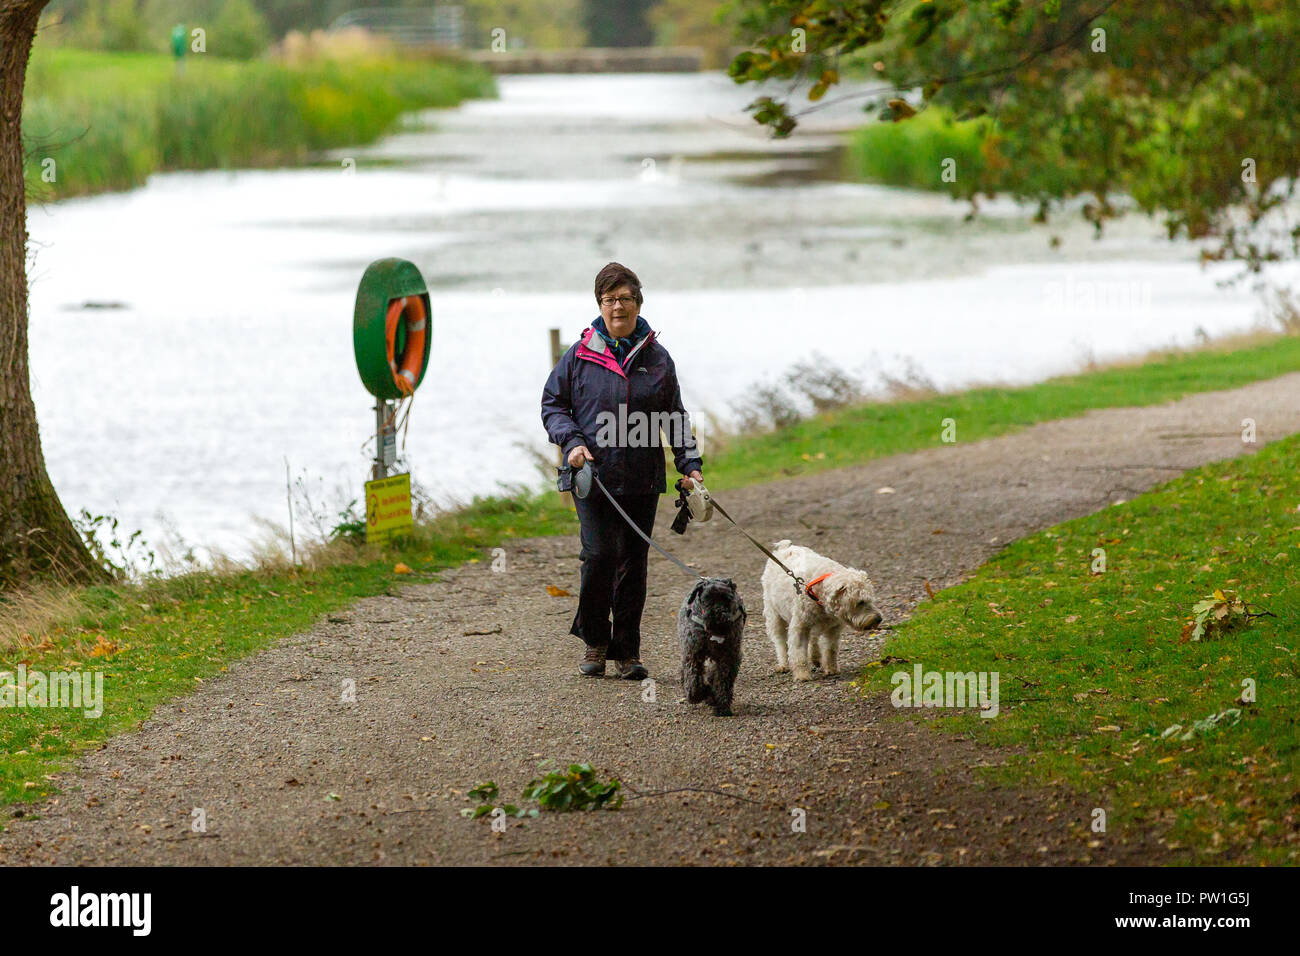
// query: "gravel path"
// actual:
[[287, 773]]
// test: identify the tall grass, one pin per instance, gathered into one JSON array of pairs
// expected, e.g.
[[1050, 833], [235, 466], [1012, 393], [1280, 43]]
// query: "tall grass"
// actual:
[[912, 152], [108, 120]]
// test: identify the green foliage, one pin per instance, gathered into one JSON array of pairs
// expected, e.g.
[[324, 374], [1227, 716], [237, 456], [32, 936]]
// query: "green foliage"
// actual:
[[485, 791], [108, 120], [1205, 725], [577, 788], [1192, 114], [487, 794], [574, 789], [1218, 614], [913, 153], [351, 525], [104, 541], [239, 31], [109, 25]]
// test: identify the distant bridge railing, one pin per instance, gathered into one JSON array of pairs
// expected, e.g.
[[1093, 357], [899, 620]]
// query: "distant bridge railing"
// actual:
[[654, 59], [444, 25]]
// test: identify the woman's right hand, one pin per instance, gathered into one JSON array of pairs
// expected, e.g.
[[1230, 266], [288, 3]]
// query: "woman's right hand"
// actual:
[[578, 456]]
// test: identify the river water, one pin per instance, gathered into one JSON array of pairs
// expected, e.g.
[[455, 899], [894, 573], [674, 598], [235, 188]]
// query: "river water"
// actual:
[[190, 336]]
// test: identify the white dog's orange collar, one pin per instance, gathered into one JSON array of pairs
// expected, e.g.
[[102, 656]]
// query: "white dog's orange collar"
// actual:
[[808, 588]]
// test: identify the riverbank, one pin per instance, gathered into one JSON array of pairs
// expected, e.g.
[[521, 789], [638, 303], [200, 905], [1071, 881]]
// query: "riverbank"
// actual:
[[95, 121], [159, 639], [357, 740]]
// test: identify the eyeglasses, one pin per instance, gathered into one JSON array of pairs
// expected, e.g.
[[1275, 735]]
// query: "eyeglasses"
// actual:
[[626, 301]]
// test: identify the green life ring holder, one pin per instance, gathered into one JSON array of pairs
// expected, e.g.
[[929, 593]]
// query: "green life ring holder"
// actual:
[[384, 282]]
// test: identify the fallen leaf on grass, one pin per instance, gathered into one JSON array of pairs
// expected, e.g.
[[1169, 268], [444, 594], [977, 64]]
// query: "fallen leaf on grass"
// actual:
[[400, 568], [103, 648]]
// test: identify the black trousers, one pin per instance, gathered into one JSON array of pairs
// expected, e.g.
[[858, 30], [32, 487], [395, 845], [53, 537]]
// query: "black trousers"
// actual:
[[613, 572]]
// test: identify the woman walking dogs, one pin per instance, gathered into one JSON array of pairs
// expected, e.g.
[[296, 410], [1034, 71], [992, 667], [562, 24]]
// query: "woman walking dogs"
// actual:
[[605, 403]]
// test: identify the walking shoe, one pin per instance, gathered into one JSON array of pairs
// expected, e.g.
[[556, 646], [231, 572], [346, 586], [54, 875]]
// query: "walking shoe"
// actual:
[[593, 662], [631, 669]]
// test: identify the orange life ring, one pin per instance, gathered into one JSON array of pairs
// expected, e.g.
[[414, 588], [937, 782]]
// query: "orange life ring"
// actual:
[[410, 364]]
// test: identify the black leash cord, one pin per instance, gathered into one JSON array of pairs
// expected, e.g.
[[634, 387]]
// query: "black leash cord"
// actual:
[[798, 581], [644, 537]]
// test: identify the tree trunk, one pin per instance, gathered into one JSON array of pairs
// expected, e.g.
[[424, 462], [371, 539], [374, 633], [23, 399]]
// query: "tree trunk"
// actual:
[[36, 538]]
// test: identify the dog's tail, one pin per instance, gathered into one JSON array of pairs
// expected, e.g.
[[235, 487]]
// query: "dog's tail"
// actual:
[[783, 543]]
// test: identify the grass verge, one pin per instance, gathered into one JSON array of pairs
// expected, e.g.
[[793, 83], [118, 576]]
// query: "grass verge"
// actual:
[[1094, 669], [155, 640], [862, 433]]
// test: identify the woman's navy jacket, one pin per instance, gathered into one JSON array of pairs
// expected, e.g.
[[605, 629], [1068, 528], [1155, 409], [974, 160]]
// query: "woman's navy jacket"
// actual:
[[617, 410]]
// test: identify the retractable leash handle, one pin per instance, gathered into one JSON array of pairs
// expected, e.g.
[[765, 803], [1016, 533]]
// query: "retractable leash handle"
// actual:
[[693, 505], [582, 480]]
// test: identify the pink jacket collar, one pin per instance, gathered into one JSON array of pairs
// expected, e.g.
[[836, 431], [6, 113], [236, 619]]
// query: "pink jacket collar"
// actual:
[[593, 348]]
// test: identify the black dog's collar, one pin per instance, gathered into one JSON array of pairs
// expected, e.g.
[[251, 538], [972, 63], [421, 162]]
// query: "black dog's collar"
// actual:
[[697, 619]]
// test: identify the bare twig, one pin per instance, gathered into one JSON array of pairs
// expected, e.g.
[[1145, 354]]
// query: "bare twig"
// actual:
[[288, 497], [721, 793]]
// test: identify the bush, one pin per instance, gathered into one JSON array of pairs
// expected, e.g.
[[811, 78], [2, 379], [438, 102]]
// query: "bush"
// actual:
[[239, 31], [912, 152]]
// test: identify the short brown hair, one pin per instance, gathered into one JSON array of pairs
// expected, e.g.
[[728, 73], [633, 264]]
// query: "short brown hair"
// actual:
[[614, 275]]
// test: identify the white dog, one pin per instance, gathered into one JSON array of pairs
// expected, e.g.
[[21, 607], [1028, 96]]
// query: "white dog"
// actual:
[[811, 621]]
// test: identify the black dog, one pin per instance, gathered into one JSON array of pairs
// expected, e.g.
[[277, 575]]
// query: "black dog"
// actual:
[[710, 625]]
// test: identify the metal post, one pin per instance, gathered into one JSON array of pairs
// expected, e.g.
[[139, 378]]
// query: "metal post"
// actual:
[[381, 416], [557, 352]]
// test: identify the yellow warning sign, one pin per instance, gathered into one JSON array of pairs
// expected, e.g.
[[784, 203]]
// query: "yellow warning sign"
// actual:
[[388, 507]]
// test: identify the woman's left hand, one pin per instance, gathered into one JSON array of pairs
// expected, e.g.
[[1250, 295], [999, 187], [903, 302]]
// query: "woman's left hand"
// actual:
[[689, 481]]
